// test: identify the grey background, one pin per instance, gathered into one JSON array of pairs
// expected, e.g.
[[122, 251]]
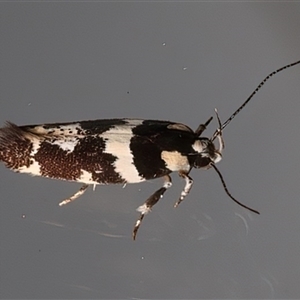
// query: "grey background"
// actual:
[[171, 61]]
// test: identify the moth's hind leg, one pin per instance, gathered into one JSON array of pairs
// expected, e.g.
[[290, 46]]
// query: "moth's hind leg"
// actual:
[[150, 202], [75, 196]]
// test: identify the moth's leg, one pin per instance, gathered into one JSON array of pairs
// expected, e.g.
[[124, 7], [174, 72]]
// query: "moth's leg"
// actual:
[[152, 200], [188, 185], [74, 196]]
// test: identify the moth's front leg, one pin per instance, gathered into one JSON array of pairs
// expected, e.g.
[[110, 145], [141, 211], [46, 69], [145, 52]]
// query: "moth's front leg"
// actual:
[[150, 202], [188, 185]]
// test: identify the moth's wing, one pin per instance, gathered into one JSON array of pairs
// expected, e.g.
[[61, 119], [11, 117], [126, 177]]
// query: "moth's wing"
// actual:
[[86, 151], [78, 129], [154, 127], [99, 151], [94, 127]]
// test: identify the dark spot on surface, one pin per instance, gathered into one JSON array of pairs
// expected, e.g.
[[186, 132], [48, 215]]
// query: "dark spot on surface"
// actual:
[[79, 131]]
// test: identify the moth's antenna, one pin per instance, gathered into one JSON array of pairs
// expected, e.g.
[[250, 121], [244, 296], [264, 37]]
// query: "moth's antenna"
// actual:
[[251, 96], [228, 193], [219, 133], [202, 127]]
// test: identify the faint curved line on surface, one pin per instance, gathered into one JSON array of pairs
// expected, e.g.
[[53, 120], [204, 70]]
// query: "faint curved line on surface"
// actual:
[[245, 222]]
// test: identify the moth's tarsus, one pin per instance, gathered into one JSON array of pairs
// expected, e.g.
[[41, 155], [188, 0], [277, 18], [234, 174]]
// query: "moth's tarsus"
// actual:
[[74, 196], [137, 226], [149, 203]]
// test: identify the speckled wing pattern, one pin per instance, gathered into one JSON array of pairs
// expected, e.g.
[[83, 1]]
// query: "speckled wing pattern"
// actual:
[[92, 152]]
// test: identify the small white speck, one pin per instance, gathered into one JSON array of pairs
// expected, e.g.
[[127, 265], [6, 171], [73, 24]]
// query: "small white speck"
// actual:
[[29, 104], [184, 68], [164, 44], [23, 216]]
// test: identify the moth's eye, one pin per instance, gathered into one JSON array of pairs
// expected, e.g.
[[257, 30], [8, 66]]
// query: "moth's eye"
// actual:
[[202, 162]]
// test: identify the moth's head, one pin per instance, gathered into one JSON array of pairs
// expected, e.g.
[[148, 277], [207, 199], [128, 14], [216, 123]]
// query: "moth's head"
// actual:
[[207, 152]]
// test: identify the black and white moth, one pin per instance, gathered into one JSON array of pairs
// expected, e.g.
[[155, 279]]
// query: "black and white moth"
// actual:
[[116, 151]]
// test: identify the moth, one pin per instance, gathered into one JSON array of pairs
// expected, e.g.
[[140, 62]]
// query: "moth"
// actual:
[[117, 151]]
